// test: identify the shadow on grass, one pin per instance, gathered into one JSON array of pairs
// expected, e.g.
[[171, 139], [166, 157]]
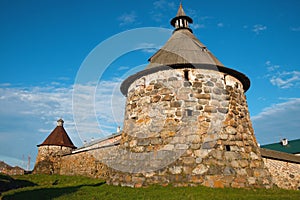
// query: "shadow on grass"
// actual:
[[8, 183], [46, 193]]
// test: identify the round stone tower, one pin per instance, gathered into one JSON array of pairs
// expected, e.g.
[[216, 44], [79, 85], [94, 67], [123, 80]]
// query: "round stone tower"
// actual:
[[187, 121], [56, 144]]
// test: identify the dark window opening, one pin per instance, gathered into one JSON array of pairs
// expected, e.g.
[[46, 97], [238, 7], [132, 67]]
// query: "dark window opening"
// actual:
[[227, 147], [236, 85], [189, 112], [134, 117], [225, 78], [186, 75]]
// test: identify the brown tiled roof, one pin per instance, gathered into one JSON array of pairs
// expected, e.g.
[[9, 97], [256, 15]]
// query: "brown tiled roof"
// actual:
[[58, 137]]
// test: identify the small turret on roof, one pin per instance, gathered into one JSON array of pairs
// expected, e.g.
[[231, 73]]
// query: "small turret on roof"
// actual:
[[58, 137], [181, 20]]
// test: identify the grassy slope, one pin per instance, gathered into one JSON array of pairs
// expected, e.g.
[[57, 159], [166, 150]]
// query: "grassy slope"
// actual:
[[67, 187]]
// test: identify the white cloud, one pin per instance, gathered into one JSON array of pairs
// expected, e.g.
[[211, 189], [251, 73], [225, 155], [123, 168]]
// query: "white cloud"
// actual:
[[271, 67], [257, 28], [163, 4], [220, 25], [197, 26], [296, 29], [148, 47], [278, 121], [157, 16], [286, 79], [199, 22], [268, 63], [127, 18], [26, 114], [161, 7], [108, 93], [29, 114], [203, 18], [282, 79], [5, 84], [63, 78], [41, 101]]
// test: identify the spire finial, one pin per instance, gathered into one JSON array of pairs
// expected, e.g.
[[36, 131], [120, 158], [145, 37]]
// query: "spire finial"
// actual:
[[180, 11], [60, 122], [181, 21]]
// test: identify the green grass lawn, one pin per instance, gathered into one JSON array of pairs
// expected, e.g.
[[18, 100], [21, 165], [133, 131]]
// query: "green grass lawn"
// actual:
[[77, 187]]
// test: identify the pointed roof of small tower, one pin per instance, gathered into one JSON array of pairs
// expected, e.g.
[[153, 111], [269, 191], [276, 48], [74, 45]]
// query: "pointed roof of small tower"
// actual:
[[58, 137]]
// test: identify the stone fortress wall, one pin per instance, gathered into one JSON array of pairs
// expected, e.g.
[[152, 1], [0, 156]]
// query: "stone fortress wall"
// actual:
[[284, 174], [284, 168], [85, 164], [219, 154]]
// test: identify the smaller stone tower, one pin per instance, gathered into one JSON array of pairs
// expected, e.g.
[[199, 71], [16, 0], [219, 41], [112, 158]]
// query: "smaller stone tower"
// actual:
[[50, 151]]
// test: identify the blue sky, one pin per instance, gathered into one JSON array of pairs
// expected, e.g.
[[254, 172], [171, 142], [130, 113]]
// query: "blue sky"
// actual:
[[44, 44]]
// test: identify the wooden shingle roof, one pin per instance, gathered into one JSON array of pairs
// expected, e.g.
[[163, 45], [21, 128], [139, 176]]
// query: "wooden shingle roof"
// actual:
[[183, 50]]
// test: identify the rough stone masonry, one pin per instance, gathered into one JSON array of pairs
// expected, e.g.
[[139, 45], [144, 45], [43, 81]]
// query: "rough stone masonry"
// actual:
[[187, 132]]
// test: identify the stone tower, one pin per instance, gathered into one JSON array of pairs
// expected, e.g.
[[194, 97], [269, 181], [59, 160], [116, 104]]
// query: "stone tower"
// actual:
[[187, 121], [56, 144]]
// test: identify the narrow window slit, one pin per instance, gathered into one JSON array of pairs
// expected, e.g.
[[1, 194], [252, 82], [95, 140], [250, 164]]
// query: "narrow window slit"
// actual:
[[186, 75], [189, 112], [227, 147]]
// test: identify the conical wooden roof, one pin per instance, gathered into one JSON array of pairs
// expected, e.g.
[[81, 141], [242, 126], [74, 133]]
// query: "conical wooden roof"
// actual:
[[58, 137], [183, 50]]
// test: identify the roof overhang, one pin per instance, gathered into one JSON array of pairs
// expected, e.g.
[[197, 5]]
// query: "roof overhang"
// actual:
[[71, 146], [240, 76], [173, 21]]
